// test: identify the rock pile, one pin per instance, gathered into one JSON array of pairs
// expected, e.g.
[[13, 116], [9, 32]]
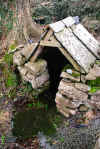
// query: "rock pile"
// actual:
[[77, 92], [34, 72]]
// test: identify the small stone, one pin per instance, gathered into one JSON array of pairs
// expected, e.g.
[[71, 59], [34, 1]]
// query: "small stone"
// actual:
[[66, 110], [15, 99], [70, 77], [83, 108], [69, 71], [89, 116]]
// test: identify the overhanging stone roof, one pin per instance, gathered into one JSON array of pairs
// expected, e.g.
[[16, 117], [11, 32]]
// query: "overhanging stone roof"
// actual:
[[77, 41]]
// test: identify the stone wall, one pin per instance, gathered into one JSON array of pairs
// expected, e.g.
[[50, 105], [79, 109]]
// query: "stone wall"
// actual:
[[34, 72], [78, 92]]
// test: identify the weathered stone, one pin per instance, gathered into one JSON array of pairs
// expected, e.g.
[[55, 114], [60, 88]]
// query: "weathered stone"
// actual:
[[83, 108], [69, 90], [90, 76], [22, 70], [66, 110], [18, 59], [26, 76], [68, 76], [39, 81], [60, 99], [93, 73], [95, 101], [36, 81], [66, 80], [83, 80], [37, 67], [62, 112], [83, 87], [28, 50]]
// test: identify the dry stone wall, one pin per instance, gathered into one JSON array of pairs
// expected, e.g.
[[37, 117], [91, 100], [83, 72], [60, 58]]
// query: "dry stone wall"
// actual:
[[78, 92], [34, 72]]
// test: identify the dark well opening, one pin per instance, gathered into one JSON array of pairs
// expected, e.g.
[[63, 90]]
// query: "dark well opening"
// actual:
[[56, 62]]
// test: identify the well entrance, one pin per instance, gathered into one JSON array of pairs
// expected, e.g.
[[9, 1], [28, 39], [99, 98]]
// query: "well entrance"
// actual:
[[56, 62]]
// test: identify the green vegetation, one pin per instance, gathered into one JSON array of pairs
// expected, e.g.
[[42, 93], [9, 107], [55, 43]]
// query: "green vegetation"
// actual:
[[94, 82], [61, 139], [75, 74], [61, 9], [9, 77], [6, 17], [11, 80], [2, 139], [8, 59], [68, 66], [39, 120], [94, 89], [38, 105], [9, 74]]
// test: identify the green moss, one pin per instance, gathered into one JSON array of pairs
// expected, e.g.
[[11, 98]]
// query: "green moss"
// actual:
[[11, 80], [29, 122], [76, 74], [93, 83], [8, 58], [94, 89], [68, 66], [98, 62], [12, 47], [12, 93]]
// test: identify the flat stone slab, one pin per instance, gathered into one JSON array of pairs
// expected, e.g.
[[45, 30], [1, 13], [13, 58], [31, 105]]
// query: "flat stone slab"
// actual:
[[64, 101], [69, 90]]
